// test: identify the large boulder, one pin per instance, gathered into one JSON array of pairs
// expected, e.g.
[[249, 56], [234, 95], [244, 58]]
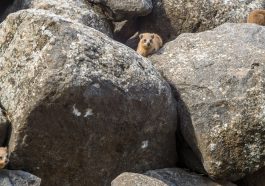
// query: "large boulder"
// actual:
[[80, 11], [170, 18], [125, 9], [218, 77], [18, 178], [82, 106], [166, 177]]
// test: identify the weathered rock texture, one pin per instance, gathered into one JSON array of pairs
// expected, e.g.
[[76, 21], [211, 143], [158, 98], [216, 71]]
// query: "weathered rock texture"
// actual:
[[125, 9], [219, 75], [132, 179], [18, 178], [83, 107], [170, 18], [76, 10], [165, 177]]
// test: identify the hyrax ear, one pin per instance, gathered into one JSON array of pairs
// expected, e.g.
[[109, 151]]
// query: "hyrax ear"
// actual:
[[141, 36], [152, 36]]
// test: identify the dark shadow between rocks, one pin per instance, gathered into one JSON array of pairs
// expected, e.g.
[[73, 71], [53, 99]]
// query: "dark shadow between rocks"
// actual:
[[255, 179], [157, 13], [9, 6], [7, 127], [130, 34], [187, 158], [4, 4], [125, 29]]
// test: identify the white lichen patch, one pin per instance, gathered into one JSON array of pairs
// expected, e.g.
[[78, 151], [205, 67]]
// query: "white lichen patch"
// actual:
[[212, 146], [89, 112], [96, 85], [144, 144], [215, 116], [216, 130], [76, 112], [218, 163]]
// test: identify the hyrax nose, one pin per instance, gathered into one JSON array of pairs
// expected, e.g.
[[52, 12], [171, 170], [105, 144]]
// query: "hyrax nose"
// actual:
[[148, 44]]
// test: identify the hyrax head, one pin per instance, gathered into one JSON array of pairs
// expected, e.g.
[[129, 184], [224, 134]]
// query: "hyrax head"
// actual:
[[146, 40], [3, 157]]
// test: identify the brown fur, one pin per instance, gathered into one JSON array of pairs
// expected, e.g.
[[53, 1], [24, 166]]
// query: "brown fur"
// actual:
[[149, 44], [3, 157], [257, 17]]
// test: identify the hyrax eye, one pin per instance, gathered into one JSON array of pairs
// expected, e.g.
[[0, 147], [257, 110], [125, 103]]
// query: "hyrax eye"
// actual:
[[1, 158], [144, 40]]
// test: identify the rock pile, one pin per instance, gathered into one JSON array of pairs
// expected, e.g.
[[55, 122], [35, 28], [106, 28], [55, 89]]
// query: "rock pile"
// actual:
[[79, 108]]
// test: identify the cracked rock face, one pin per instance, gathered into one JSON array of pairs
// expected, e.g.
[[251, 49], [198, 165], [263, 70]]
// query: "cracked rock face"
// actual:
[[18, 178], [220, 78], [82, 106], [165, 177], [79, 11], [170, 18], [125, 9]]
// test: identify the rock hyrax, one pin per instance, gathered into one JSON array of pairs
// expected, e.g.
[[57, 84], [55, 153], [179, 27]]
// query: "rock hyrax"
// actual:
[[149, 44], [257, 16], [3, 157]]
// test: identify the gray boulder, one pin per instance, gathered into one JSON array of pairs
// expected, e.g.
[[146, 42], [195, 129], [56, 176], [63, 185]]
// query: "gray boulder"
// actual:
[[170, 18], [125, 9], [80, 11], [83, 107], [166, 177], [18, 178], [133, 179], [218, 78]]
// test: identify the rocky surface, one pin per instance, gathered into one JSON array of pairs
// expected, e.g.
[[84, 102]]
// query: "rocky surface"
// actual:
[[170, 18], [18, 178], [166, 177], [132, 179], [82, 106], [125, 9], [80, 11], [218, 77]]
